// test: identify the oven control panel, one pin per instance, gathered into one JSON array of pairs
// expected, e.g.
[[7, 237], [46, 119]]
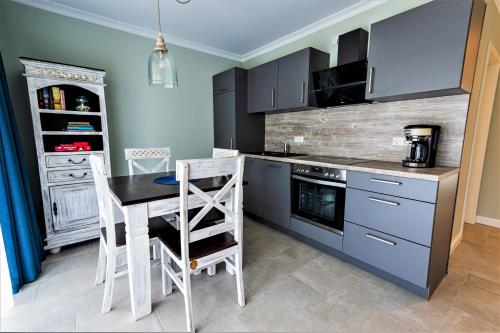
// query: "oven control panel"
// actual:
[[320, 172]]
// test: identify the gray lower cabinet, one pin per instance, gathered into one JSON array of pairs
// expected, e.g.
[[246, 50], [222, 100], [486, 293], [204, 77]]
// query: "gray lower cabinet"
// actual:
[[267, 193], [406, 260], [73, 205], [387, 228], [253, 190], [427, 51], [276, 194], [234, 127], [320, 235]]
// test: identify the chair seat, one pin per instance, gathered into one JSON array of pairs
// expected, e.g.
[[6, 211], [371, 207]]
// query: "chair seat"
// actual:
[[157, 225], [171, 238]]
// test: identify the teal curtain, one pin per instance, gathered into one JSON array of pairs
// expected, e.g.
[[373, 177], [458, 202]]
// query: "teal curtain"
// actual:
[[22, 239]]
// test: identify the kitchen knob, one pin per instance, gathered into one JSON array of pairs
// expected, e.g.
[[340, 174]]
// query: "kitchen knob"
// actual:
[[327, 174], [307, 171]]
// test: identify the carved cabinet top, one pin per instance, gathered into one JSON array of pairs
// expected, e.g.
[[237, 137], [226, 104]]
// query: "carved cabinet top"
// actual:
[[50, 70]]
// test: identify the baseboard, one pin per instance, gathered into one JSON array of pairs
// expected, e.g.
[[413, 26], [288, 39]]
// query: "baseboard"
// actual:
[[455, 242], [488, 221]]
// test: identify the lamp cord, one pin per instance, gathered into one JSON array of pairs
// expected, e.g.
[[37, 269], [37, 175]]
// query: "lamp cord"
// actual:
[[159, 25]]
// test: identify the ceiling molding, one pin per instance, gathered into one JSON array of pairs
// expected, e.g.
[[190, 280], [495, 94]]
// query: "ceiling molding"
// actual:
[[326, 22], [82, 15]]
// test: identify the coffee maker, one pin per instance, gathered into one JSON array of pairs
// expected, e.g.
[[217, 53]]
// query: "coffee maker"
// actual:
[[422, 140]]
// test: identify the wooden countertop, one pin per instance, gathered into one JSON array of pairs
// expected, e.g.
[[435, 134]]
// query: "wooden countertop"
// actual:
[[379, 167]]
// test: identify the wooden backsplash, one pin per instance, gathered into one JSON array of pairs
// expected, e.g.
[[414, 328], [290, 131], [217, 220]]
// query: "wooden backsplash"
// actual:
[[366, 130]]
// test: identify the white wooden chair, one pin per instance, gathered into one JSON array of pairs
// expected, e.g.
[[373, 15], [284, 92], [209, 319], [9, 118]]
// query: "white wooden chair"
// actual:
[[133, 155], [112, 240], [191, 248]]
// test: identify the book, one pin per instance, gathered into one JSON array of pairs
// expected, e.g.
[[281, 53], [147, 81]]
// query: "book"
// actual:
[[39, 94], [46, 97], [63, 99], [78, 123], [56, 98]]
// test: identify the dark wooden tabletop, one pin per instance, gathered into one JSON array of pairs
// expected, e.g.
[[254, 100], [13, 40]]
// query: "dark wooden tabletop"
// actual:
[[132, 190]]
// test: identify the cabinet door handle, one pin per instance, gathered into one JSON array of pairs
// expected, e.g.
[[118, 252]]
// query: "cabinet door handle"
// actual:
[[223, 89], [385, 241], [370, 79], [70, 160], [390, 182], [231, 143], [54, 208], [78, 177], [387, 202], [272, 97], [302, 92]]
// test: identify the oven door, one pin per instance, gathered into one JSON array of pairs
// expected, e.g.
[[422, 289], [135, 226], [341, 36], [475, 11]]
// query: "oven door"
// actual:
[[319, 202]]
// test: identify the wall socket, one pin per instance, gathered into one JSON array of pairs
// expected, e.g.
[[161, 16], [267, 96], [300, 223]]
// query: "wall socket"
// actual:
[[298, 139], [399, 141]]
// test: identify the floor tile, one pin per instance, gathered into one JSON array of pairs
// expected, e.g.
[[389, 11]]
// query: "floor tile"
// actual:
[[479, 303]]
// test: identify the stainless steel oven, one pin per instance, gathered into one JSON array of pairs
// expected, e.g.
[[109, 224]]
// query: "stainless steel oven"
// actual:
[[318, 196]]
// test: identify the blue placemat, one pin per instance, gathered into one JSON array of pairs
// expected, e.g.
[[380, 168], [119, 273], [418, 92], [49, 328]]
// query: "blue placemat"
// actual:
[[170, 180]]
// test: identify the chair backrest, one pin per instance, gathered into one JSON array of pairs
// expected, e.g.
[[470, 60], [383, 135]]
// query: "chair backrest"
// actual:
[[232, 168], [104, 200], [222, 153], [132, 155]]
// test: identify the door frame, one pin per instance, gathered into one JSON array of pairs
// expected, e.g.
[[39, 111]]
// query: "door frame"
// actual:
[[489, 82]]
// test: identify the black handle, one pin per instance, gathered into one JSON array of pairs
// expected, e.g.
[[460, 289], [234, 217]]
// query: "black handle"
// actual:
[[54, 208], [72, 161], [223, 89], [78, 177]]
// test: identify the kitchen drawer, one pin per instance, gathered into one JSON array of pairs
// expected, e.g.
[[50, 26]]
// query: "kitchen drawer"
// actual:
[[69, 175], [318, 234], [405, 218], [406, 260], [423, 190], [56, 161]]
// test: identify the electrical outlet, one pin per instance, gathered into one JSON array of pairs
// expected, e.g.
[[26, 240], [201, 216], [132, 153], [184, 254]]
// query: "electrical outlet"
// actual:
[[398, 141], [298, 139]]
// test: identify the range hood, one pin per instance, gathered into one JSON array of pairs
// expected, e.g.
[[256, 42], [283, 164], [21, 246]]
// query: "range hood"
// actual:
[[344, 84]]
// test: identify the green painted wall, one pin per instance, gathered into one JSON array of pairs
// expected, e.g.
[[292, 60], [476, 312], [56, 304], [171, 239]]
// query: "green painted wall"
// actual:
[[322, 39], [138, 115]]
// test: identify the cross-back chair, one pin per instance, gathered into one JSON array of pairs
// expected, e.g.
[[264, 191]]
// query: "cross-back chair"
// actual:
[[133, 155], [193, 248], [112, 244]]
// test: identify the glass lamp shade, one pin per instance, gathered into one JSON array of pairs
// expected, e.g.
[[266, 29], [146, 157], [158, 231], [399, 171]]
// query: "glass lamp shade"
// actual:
[[162, 70]]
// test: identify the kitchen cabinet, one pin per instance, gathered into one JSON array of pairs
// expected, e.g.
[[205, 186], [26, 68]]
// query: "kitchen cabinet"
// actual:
[[253, 190], [285, 83], [267, 193], [400, 227], [276, 194], [295, 78], [234, 127], [428, 51], [263, 87]]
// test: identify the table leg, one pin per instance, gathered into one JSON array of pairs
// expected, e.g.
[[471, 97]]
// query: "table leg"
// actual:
[[139, 269]]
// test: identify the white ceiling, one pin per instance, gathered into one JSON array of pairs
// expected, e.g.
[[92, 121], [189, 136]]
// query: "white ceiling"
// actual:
[[237, 29]]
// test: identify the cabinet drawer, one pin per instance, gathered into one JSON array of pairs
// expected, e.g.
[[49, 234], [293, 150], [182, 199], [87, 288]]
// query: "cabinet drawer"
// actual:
[[396, 256], [56, 161], [318, 234], [408, 219], [417, 189], [69, 175], [224, 82]]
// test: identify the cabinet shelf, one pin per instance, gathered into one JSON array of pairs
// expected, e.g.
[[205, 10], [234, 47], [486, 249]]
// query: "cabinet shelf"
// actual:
[[80, 113], [70, 133], [80, 152]]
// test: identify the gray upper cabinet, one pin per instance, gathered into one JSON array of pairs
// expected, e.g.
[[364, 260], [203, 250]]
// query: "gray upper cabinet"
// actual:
[[263, 87], [285, 83], [428, 51], [234, 128], [295, 78]]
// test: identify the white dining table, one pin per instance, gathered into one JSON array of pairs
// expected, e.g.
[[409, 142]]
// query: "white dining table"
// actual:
[[140, 198]]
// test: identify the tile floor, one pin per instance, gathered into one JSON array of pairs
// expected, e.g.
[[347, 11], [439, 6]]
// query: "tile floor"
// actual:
[[289, 287]]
